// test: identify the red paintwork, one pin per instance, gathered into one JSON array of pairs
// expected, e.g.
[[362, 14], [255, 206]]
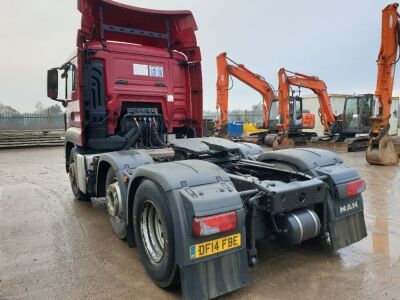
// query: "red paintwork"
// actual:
[[182, 23], [119, 60], [123, 50]]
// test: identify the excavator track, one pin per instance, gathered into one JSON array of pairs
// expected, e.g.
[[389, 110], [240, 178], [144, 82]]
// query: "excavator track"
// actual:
[[329, 145], [354, 144]]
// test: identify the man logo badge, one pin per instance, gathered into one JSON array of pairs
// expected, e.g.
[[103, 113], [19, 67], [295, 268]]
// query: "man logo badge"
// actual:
[[348, 207]]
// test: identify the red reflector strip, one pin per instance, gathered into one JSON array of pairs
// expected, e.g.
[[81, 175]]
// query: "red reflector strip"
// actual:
[[203, 226], [355, 187]]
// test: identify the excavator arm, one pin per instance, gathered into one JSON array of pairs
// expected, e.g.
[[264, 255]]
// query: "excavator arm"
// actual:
[[387, 59], [311, 82], [381, 150], [239, 71]]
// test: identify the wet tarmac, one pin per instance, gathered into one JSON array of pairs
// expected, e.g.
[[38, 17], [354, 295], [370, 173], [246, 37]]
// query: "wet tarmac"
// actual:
[[54, 247]]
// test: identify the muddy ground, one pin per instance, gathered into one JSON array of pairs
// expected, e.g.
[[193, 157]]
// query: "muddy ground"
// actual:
[[54, 247]]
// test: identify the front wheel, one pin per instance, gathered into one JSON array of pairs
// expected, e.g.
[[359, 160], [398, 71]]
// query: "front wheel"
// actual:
[[154, 234], [73, 178], [114, 204]]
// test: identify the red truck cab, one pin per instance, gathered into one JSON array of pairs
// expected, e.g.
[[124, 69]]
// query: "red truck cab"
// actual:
[[130, 61]]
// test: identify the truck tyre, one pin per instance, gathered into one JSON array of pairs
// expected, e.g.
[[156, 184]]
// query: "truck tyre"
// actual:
[[114, 204], [73, 178], [154, 234]]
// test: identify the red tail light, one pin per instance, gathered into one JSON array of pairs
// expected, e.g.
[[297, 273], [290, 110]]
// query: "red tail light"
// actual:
[[355, 187], [204, 226]]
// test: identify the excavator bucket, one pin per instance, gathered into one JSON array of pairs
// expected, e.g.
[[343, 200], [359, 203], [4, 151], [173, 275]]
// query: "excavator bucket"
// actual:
[[270, 139], [286, 144], [383, 153], [396, 142]]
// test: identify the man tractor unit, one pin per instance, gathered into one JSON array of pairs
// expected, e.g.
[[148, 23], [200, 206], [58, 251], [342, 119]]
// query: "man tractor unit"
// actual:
[[193, 207]]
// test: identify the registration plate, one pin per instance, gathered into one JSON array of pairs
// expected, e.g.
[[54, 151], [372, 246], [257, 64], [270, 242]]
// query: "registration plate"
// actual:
[[215, 246]]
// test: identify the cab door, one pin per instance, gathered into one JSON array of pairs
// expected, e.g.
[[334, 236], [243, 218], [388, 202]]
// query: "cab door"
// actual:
[[295, 113]]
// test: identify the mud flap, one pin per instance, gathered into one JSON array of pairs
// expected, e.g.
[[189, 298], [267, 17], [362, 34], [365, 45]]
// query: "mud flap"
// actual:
[[215, 277], [345, 226]]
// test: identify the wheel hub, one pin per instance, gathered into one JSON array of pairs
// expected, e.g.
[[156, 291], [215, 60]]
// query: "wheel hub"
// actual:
[[113, 196], [153, 232]]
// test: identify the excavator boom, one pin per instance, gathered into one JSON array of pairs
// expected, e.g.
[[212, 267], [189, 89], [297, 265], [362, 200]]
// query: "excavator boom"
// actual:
[[387, 59], [381, 150]]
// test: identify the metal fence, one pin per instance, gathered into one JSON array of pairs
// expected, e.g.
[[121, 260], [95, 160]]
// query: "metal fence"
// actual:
[[35, 122], [20, 122]]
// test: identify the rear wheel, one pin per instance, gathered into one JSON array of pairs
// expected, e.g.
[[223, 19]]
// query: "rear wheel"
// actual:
[[73, 178], [114, 204], [154, 234]]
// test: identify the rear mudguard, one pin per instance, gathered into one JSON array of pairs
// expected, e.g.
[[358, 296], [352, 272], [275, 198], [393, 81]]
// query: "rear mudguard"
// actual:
[[345, 226], [250, 150], [196, 188]]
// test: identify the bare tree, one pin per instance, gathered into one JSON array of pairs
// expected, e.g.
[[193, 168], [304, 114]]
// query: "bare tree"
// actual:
[[39, 107]]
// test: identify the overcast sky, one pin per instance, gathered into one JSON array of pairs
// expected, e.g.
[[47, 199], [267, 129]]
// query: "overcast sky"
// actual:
[[335, 40]]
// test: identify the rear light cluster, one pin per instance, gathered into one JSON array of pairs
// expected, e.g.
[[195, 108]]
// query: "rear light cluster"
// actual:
[[203, 226], [355, 187]]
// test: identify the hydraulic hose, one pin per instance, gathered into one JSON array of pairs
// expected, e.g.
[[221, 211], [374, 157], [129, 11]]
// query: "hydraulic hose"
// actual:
[[157, 138], [132, 136]]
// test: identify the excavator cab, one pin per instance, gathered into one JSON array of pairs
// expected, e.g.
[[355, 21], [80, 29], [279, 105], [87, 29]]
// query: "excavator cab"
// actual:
[[299, 118], [357, 113], [296, 113]]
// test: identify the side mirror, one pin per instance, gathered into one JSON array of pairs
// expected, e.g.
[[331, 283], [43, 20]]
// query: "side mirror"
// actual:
[[52, 83]]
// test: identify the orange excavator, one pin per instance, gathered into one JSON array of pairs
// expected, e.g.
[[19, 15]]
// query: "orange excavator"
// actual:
[[239, 71], [381, 150], [287, 108]]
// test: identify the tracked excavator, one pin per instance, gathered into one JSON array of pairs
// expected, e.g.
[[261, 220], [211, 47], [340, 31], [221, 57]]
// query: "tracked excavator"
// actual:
[[354, 125], [226, 67], [345, 132], [381, 149], [286, 136]]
